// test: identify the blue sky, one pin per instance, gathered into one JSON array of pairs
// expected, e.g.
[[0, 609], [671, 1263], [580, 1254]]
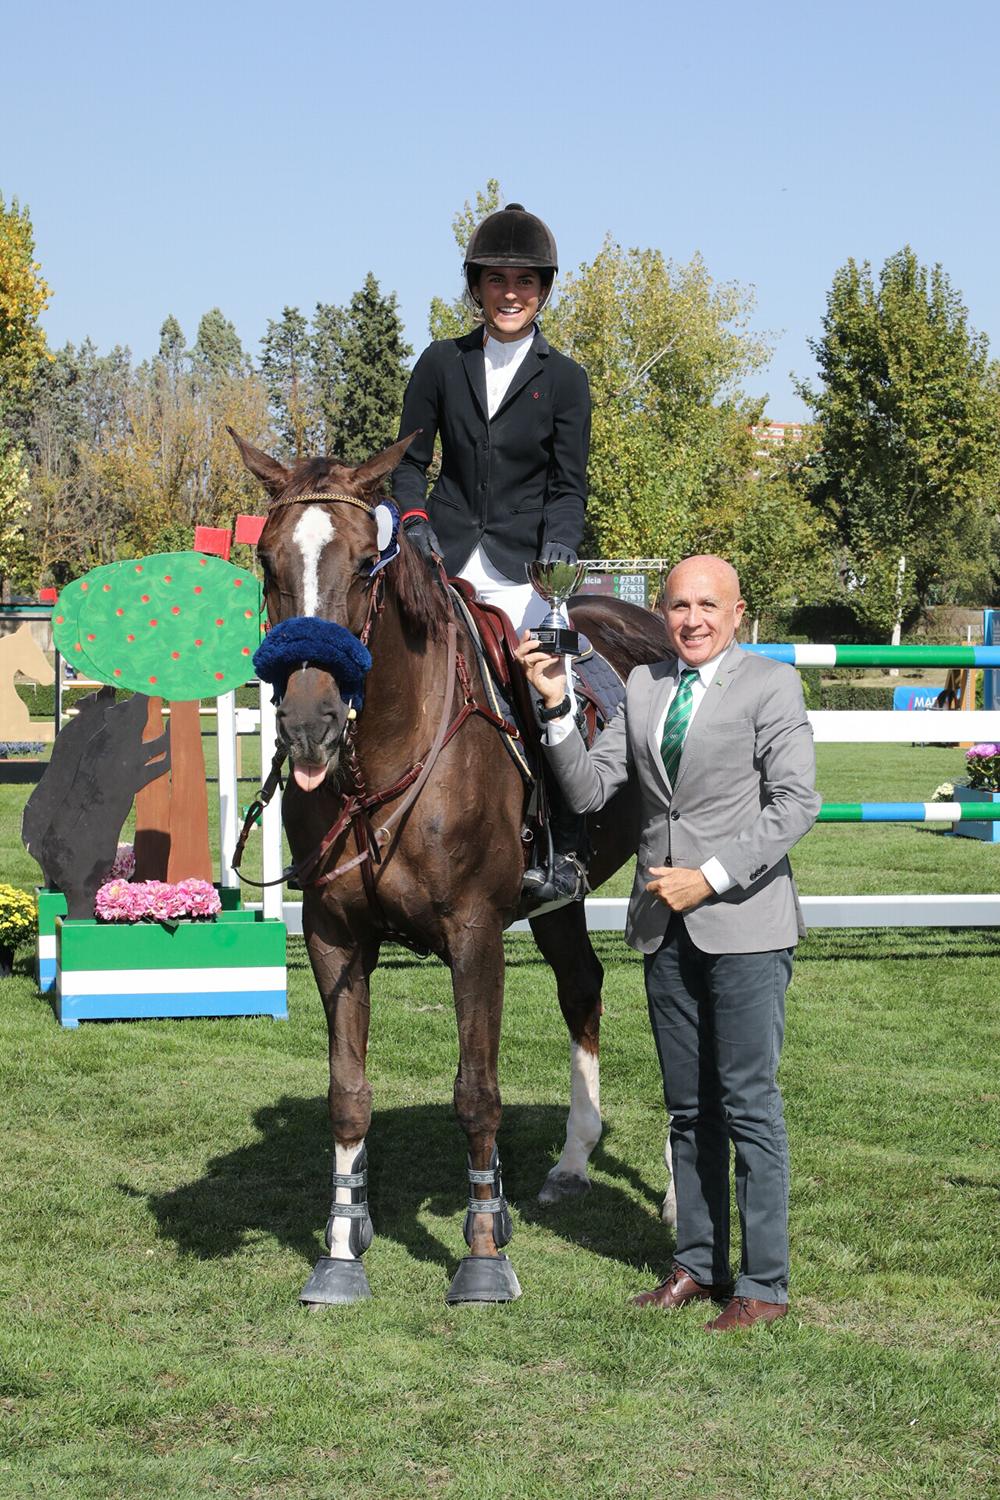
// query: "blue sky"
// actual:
[[179, 157]]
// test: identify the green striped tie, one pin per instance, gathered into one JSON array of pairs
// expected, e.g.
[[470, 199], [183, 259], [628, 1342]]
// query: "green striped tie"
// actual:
[[677, 721]]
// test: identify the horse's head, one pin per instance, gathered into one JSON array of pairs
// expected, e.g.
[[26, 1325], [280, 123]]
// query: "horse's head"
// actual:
[[318, 557]]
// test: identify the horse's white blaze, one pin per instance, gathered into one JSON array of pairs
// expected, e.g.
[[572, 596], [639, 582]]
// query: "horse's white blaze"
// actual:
[[583, 1127], [340, 1234], [312, 531]]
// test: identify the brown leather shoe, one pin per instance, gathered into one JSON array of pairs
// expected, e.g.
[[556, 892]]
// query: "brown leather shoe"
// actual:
[[743, 1312], [679, 1288]]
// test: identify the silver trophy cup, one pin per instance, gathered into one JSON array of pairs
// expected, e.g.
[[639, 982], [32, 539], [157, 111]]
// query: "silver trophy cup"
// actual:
[[556, 581]]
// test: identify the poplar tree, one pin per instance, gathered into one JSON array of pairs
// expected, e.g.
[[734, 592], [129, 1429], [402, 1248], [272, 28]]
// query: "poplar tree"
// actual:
[[286, 368], [910, 456]]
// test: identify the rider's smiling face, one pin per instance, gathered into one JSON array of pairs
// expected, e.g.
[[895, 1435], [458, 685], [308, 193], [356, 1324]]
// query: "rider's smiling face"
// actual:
[[510, 298]]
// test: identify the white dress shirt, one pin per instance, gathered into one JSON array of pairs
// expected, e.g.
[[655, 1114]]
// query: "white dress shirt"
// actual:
[[515, 595], [716, 874]]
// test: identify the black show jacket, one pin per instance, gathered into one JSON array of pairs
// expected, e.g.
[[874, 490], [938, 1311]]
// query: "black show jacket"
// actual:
[[511, 483]]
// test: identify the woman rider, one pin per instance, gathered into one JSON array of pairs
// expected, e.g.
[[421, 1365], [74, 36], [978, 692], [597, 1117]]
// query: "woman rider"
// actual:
[[513, 417]]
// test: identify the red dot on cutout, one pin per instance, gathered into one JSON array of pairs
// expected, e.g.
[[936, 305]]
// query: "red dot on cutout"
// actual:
[[84, 587], [138, 567], [197, 588], [91, 638], [237, 583], [175, 655], [203, 562], [152, 679], [60, 619], [219, 622], [117, 672], [167, 578], [246, 650], [154, 622], [219, 676], [197, 643], [145, 598], [107, 588], [176, 610], [119, 612], [77, 646], [130, 637]]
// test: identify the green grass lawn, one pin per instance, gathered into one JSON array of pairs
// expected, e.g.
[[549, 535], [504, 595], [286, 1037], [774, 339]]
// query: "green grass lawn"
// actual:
[[165, 1191]]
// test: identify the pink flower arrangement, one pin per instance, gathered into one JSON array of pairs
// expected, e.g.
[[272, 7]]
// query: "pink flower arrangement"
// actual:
[[982, 765], [155, 901]]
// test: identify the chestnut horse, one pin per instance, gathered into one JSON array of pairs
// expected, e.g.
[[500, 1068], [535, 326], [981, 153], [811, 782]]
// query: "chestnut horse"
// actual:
[[435, 858]]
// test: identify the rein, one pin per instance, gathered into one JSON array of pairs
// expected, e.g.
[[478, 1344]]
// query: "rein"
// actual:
[[373, 843]]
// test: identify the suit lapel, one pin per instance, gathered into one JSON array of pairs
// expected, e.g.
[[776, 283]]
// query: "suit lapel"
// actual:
[[529, 368], [715, 693], [658, 696], [474, 362]]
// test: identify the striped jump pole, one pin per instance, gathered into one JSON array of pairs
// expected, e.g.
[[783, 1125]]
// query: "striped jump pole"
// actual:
[[909, 812], [880, 656]]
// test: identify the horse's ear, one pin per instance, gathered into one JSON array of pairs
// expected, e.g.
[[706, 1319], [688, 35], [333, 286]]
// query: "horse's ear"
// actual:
[[272, 475], [368, 474]]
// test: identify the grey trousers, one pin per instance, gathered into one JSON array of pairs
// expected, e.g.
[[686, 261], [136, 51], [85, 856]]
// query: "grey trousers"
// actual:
[[718, 1020]]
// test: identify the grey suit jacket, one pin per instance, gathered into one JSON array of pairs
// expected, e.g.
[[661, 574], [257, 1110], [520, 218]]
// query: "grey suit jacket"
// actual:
[[745, 793]]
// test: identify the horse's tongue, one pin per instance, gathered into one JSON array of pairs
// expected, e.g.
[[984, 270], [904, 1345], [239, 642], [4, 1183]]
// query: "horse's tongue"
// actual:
[[309, 776]]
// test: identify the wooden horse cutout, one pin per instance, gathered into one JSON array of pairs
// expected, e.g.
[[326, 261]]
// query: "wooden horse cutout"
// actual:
[[20, 653]]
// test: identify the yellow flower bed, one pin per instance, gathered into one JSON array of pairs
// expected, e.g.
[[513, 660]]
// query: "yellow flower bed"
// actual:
[[17, 916]]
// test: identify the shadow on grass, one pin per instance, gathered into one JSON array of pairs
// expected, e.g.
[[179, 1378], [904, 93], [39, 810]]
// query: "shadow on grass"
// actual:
[[278, 1186]]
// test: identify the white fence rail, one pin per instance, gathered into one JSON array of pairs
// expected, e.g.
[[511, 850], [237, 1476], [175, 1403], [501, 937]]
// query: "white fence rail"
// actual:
[[607, 914]]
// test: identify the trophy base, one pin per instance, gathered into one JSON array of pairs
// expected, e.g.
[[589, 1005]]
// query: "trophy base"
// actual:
[[561, 642]]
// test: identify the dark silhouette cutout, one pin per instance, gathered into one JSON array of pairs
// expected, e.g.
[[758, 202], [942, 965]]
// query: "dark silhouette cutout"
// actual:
[[74, 816]]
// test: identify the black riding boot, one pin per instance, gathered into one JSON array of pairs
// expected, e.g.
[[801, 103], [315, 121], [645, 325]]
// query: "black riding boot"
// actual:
[[563, 876]]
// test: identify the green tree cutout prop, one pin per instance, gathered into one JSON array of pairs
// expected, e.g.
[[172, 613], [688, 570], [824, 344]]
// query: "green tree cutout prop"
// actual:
[[179, 626]]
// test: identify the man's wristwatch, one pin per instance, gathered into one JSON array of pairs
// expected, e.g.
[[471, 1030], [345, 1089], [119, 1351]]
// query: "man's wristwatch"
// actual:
[[546, 715]]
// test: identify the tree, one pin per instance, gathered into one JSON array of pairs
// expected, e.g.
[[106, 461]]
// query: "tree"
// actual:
[[24, 296], [285, 367], [450, 319], [171, 350], [784, 549], [665, 349], [217, 350], [910, 464], [327, 355], [15, 509], [372, 359]]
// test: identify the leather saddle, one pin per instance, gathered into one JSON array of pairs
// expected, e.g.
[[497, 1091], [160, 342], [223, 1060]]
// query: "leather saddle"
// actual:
[[599, 689]]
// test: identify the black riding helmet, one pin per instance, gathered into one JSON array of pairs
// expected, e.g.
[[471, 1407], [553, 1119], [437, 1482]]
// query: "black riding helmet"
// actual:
[[511, 237]]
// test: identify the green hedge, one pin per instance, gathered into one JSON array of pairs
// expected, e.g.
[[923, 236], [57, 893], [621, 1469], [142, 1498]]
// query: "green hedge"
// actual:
[[41, 701]]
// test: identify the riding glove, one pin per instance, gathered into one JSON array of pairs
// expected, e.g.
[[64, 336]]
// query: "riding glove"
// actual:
[[420, 534], [556, 552]]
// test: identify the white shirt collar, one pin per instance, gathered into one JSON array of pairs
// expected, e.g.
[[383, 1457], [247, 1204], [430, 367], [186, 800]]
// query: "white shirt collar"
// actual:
[[706, 669], [500, 353]]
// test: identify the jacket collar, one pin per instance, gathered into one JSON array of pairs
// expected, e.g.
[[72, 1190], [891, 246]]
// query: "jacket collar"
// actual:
[[471, 345]]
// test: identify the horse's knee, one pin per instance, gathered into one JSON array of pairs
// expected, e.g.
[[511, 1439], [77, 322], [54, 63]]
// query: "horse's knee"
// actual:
[[477, 1106], [350, 1112]]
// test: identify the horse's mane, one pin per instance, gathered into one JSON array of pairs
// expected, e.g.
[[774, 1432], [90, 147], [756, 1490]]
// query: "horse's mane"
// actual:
[[423, 604]]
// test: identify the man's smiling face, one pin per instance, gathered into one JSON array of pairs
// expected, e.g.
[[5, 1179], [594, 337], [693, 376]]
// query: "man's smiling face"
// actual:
[[702, 608]]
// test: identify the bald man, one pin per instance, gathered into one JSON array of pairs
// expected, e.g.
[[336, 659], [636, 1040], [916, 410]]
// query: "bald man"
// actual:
[[719, 743]]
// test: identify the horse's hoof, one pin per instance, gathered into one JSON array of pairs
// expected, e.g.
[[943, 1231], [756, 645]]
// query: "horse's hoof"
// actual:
[[483, 1278], [560, 1185], [334, 1282]]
